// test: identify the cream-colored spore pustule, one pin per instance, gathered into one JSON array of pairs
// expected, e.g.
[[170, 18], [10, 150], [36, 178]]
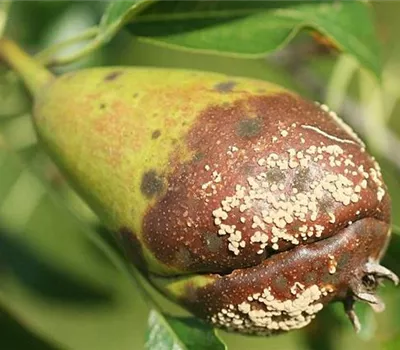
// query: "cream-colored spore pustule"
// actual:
[[279, 208], [262, 313]]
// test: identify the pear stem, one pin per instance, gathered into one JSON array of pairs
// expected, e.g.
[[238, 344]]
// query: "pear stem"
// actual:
[[34, 75], [85, 51]]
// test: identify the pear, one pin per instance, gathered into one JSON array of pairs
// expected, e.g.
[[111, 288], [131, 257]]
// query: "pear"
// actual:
[[250, 206]]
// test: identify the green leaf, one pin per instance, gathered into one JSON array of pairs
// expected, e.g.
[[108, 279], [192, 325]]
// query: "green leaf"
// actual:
[[180, 333], [57, 277], [14, 336], [325, 330], [256, 28], [368, 321], [117, 13], [38, 276]]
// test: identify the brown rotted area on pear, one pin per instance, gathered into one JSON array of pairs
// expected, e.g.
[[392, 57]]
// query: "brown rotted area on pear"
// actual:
[[179, 228], [354, 248]]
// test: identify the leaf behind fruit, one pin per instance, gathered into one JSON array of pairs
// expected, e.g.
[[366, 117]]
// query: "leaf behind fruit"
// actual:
[[180, 333], [250, 28]]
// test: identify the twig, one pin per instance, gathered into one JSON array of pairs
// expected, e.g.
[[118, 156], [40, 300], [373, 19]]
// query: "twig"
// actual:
[[47, 56], [340, 79]]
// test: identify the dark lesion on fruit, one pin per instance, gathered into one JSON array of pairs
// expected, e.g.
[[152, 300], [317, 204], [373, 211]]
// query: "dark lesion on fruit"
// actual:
[[212, 241], [329, 278], [226, 86], [326, 204], [156, 134], [302, 179], [183, 257], [275, 175], [152, 184], [248, 170], [198, 156], [112, 76], [132, 248], [190, 294], [248, 128], [343, 260], [310, 277], [281, 283]]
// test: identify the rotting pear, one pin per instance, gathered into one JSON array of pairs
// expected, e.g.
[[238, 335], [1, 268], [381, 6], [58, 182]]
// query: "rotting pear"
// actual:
[[248, 205]]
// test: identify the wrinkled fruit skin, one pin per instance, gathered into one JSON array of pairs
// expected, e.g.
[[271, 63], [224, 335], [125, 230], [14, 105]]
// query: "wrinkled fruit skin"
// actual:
[[248, 205]]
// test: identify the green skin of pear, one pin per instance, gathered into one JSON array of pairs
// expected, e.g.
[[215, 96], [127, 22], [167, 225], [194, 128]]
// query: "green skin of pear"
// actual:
[[156, 151], [119, 133]]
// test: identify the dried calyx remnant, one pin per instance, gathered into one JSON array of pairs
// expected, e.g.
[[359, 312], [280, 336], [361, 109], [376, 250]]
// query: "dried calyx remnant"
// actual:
[[248, 205]]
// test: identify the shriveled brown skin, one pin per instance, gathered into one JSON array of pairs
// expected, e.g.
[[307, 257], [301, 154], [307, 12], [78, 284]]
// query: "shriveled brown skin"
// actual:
[[224, 190], [180, 228], [302, 267]]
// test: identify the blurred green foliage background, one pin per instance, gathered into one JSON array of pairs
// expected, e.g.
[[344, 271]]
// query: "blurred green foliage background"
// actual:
[[61, 288]]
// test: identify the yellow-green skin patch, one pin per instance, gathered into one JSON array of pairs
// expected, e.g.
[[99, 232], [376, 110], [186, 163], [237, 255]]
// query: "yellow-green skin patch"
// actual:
[[114, 131]]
